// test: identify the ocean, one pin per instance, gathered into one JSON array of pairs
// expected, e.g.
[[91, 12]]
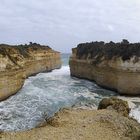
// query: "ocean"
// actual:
[[46, 93]]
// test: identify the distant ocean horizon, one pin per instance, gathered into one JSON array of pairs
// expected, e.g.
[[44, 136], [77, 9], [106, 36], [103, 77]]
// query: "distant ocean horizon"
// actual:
[[65, 58]]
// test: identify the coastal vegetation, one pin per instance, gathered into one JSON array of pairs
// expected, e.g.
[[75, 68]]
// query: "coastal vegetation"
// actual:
[[114, 66], [123, 49], [17, 62], [23, 49]]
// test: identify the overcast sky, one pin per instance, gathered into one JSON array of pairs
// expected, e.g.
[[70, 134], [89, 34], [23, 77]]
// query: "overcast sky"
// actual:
[[62, 24]]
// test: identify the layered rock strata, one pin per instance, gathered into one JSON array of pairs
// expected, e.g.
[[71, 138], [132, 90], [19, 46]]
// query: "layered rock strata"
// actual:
[[19, 62], [112, 65]]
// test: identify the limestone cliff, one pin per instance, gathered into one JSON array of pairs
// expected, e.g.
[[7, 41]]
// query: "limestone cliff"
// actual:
[[111, 65], [19, 62]]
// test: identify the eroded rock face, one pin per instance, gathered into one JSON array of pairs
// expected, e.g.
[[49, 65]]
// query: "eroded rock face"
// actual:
[[19, 62], [113, 66], [115, 104]]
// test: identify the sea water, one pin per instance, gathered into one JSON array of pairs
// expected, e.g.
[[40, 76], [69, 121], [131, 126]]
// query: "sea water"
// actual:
[[44, 94]]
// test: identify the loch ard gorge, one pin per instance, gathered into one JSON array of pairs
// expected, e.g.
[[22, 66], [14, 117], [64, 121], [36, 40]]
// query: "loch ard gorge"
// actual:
[[69, 70]]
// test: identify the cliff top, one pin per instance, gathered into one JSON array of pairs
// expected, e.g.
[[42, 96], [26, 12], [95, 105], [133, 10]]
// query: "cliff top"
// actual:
[[122, 49], [25, 45], [22, 49]]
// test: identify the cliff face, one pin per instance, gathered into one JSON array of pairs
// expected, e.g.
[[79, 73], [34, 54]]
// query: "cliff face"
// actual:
[[19, 62], [111, 65]]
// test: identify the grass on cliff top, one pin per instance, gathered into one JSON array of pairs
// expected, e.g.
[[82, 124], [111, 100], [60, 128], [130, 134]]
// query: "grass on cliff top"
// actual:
[[23, 49], [122, 49]]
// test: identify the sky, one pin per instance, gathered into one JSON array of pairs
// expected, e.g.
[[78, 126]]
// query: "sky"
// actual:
[[62, 24]]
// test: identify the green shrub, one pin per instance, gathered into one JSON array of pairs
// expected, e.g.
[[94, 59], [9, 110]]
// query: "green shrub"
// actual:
[[123, 49]]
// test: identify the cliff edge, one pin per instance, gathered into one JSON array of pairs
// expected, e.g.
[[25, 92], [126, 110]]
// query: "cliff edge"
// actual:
[[112, 65], [19, 62], [108, 123]]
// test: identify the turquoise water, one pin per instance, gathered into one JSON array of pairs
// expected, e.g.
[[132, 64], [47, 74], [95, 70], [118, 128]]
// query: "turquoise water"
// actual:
[[44, 94], [65, 59]]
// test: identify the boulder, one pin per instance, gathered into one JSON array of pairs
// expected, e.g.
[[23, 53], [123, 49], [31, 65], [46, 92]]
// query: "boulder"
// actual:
[[116, 104]]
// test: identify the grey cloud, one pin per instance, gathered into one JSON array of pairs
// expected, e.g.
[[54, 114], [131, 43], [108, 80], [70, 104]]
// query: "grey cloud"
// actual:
[[64, 23]]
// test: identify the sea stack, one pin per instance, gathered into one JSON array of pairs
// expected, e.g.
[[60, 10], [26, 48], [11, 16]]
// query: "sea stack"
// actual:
[[111, 65], [19, 62]]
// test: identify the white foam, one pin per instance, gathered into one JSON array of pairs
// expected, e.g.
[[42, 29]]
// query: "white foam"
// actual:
[[134, 105], [135, 113], [44, 94]]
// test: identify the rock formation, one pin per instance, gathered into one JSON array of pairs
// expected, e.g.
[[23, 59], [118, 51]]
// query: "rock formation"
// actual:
[[118, 105], [112, 65], [19, 62], [83, 124]]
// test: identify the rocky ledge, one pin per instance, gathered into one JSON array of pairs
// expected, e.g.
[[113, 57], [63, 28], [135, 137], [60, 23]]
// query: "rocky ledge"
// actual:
[[110, 122], [19, 62], [112, 65]]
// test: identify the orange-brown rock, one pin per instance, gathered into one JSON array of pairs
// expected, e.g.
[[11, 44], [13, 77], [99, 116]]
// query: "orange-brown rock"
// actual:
[[116, 104], [79, 124], [112, 65], [19, 62]]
